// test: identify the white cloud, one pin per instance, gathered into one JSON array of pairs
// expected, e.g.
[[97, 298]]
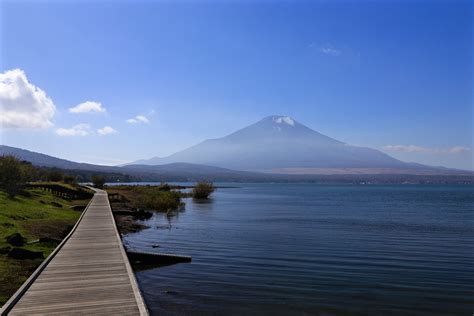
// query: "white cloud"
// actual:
[[459, 149], [22, 104], [77, 130], [106, 130], [405, 148], [88, 106], [329, 50], [431, 150], [138, 119]]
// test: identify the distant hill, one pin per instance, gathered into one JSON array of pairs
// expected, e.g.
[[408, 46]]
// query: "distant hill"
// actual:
[[168, 172], [43, 160], [280, 144], [187, 172]]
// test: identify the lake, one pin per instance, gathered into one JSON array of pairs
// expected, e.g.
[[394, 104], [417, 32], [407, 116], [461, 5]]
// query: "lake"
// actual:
[[306, 249]]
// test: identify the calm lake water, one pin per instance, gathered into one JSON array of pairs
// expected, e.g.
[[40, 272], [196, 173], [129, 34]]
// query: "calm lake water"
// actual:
[[305, 249]]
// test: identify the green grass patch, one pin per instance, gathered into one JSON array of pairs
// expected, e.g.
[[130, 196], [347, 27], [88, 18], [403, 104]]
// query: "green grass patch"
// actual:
[[34, 214], [71, 186]]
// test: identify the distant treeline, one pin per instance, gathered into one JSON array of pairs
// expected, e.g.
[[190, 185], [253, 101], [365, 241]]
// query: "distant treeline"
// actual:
[[76, 176], [281, 178], [36, 173], [372, 179]]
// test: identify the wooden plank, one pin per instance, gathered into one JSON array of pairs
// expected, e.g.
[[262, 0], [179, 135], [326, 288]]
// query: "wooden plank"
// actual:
[[88, 274]]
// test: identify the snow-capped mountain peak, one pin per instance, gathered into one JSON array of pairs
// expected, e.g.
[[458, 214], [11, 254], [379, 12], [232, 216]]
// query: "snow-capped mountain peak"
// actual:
[[284, 120]]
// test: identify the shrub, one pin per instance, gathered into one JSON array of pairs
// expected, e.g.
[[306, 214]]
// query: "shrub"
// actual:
[[55, 176], [98, 181], [203, 190], [164, 187], [160, 200]]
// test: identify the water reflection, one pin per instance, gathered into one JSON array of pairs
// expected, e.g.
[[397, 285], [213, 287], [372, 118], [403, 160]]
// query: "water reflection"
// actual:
[[202, 204], [307, 249]]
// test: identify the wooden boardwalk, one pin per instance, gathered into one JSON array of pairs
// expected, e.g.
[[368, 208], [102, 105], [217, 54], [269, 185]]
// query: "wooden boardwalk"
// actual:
[[89, 272]]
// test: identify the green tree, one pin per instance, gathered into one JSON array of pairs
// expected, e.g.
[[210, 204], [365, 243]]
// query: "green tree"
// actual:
[[55, 176], [202, 190], [69, 179], [98, 181], [13, 175]]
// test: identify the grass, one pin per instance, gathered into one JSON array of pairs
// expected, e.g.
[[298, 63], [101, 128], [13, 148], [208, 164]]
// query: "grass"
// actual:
[[156, 198], [66, 185], [33, 215]]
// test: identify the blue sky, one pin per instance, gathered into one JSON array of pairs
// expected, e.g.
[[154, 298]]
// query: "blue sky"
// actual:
[[392, 75]]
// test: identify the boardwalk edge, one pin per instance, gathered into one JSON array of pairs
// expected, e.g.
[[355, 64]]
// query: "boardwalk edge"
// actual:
[[136, 289]]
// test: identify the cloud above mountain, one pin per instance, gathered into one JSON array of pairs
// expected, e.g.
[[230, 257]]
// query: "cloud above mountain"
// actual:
[[22, 104], [88, 107], [420, 149]]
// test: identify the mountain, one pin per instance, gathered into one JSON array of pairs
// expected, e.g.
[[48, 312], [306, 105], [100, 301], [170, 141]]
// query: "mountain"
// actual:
[[279, 143]]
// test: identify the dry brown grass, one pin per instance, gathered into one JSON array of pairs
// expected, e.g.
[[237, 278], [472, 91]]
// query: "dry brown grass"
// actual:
[[52, 228]]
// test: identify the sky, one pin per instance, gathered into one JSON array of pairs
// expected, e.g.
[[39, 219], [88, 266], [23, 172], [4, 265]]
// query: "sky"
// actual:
[[110, 82]]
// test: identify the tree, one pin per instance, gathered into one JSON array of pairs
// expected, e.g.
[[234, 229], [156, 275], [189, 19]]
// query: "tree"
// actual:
[[203, 190], [13, 175], [69, 179], [98, 181], [55, 176]]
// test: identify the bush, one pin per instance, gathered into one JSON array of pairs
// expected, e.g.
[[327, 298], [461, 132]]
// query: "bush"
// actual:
[[55, 176], [13, 174], [159, 200], [203, 190], [164, 187], [98, 181], [69, 179]]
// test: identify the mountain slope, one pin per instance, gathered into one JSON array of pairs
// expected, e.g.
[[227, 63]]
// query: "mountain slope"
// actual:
[[167, 172], [43, 160], [280, 142]]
